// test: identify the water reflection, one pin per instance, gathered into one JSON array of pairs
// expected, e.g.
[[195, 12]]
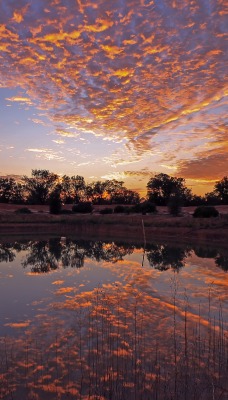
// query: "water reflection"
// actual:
[[46, 255], [164, 257], [120, 345], [6, 252], [106, 328]]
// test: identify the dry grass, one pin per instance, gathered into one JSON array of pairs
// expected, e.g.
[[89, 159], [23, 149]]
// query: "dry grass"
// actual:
[[157, 220], [160, 225]]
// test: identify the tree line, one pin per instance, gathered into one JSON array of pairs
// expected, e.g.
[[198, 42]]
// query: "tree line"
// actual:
[[162, 190]]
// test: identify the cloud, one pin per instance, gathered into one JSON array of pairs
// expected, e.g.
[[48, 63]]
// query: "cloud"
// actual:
[[104, 68], [66, 133], [58, 141], [211, 161], [46, 154], [20, 99], [211, 167], [13, 176], [145, 172], [18, 325]]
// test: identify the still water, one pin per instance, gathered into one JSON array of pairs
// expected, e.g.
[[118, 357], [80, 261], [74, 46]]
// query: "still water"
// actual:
[[110, 320]]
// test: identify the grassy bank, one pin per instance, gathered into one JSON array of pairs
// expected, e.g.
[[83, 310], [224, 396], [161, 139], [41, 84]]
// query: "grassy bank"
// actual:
[[158, 220], [184, 228]]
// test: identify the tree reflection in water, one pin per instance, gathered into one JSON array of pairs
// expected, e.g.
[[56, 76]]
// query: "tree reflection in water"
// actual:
[[46, 255], [41, 256], [6, 253], [164, 257], [222, 261], [117, 342]]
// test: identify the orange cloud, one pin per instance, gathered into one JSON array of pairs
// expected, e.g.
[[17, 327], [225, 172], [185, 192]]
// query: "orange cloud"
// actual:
[[17, 325], [109, 71]]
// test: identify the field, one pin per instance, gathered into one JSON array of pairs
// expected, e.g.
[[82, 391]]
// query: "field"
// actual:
[[134, 226]]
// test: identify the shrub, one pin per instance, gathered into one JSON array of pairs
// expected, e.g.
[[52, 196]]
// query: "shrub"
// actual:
[[84, 207], [205, 212], [106, 211], [66, 212], [55, 202], [135, 209], [148, 207], [23, 210], [174, 205], [119, 209]]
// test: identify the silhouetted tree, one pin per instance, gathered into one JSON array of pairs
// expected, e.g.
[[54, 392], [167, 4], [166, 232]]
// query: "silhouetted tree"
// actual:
[[161, 186], [221, 190], [55, 204], [73, 189], [197, 200], [66, 190], [175, 203], [11, 191], [40, 185], [95, 192], [113, 187], [125, 196]]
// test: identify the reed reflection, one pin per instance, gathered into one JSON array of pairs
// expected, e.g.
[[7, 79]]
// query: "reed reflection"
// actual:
[[120, 344], [129, 338]]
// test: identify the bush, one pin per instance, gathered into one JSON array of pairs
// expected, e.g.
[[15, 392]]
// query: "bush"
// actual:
[[205, 212], [174, 205], [55, 202], [148, 207], [23, 210], [106, 211], [84, 207], [135, 209], [66, 212], [119, 209]]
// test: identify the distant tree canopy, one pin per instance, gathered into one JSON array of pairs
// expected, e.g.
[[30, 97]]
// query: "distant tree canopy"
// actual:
[[73, 189], [40, 185], [161, 187], [221, 190], [11, 191], [6, 188], [162, 190], [44, 187]]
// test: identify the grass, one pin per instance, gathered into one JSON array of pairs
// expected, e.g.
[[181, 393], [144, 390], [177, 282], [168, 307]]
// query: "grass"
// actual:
[[132, 220], [185, 228]]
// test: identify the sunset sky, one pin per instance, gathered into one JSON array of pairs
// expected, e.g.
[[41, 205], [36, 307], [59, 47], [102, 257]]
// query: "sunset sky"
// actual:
[[114, 89]]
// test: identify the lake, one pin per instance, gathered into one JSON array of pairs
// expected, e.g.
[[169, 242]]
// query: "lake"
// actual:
[[112, 320]]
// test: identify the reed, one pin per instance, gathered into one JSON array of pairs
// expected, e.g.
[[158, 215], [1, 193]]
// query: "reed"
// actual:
[[116, 349]]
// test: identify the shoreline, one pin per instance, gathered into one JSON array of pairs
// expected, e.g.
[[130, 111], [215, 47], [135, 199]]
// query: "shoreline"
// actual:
[[123, 227]]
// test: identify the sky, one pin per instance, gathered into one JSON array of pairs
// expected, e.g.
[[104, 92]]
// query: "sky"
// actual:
[[120, 89]]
